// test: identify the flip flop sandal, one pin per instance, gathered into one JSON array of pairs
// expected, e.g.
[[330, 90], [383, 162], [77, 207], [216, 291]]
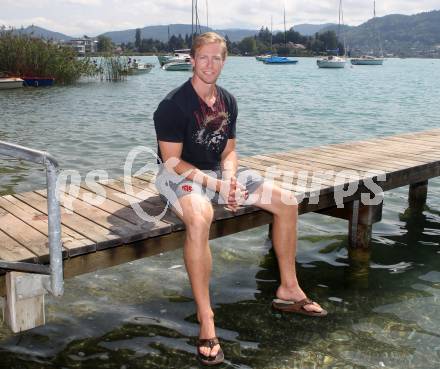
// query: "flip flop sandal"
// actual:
[[297, 307], [210, 343]]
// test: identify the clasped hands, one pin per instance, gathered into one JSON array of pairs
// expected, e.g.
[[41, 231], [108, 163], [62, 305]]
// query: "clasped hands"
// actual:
[[234, 193]]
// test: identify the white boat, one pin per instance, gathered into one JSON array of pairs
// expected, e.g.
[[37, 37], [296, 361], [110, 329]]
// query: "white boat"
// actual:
[[178, 66], [177, 56], [334, 61], [370, 59], [138, 68], [263, 57], [331, 62], [10, 83], [367, 60]]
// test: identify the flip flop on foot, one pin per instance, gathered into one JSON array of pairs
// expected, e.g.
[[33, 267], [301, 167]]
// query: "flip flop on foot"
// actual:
[[297, 307], [209, 343]]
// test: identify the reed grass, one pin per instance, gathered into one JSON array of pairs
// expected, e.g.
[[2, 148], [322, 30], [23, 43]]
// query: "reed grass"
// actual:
[[113, 68], [22, 55]]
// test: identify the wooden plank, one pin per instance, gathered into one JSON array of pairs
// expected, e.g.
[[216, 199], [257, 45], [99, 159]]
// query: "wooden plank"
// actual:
[[428, 141], [36, 216], [110, 257], [409, 143], [127, 231], [220, 211], [300, 193], [393, 147], [124, 212], [314, 182], [317, 172], [376, 151], [366, 162], [412, 175], [394, 151], [11, 250], [261, 169], [306, 164], [428, 136], [100, 235], [25, 235], [149, 202], [430, 132], [427, 154], [153, 205], [412, 141], [114, 195], [141, 194], [38, 221], [356, 165], [334, 160]]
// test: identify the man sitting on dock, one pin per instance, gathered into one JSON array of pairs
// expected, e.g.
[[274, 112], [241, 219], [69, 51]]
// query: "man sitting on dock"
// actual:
[[195, 128]]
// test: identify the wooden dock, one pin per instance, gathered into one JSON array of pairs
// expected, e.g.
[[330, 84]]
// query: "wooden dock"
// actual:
[[106, 231]]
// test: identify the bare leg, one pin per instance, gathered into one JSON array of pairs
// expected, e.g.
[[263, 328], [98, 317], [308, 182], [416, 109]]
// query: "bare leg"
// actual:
[[284, 237], [197, 214]]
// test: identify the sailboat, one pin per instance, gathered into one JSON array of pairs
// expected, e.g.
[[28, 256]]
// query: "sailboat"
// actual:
[[267, 55], [334, 61], [280, 59], [369, 59], [181, 60]]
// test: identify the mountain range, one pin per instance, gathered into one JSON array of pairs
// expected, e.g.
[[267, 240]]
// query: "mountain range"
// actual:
[[405, 35], [161, 32]]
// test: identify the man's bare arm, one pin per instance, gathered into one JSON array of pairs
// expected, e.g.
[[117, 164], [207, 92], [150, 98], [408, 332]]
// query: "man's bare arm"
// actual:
[[229, 160], [171, 155]]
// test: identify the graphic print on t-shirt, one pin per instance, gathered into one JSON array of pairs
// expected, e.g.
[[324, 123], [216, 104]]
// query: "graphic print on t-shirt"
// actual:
[[212, 125]]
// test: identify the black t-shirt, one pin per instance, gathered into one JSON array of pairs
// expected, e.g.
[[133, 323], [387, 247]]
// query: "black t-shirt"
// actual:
[[184, 117]]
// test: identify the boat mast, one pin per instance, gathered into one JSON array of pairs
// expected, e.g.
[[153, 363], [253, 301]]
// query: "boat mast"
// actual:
[[340, 27], [271, 34], [198, 25], [378, 33], [285, 35], [192, 20], [207, 23]]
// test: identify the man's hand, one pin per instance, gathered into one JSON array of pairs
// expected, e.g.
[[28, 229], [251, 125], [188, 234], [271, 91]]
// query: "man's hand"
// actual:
[[234, 193]]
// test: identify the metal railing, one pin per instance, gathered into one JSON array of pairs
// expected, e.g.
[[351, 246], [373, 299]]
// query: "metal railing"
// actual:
[[55, 269]]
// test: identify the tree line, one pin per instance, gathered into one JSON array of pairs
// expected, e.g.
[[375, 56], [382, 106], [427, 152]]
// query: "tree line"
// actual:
[[288, 43]]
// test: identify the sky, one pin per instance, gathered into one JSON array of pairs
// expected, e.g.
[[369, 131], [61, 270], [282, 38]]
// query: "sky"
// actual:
[[92, 17]]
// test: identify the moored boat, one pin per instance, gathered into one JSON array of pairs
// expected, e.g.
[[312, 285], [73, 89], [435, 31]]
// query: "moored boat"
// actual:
[[263, 57], [178, 66], [140, 68], [331, 61], [10, 83], [279, 60], [367, 60], [178, 55], [371, 59], [38, 81]]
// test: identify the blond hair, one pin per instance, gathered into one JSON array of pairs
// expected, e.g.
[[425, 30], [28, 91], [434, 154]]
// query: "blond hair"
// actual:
[[208, 38]]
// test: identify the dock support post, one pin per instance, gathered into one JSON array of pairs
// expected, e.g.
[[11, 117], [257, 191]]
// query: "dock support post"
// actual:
[[418, 192], [361, 222], [269, 234], [24, 307]]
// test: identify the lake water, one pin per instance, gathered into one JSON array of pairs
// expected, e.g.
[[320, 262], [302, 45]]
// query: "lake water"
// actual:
[[141, 314]]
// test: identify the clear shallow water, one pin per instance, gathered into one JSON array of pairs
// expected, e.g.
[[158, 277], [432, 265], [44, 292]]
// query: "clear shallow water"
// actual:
[[141, 315]]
